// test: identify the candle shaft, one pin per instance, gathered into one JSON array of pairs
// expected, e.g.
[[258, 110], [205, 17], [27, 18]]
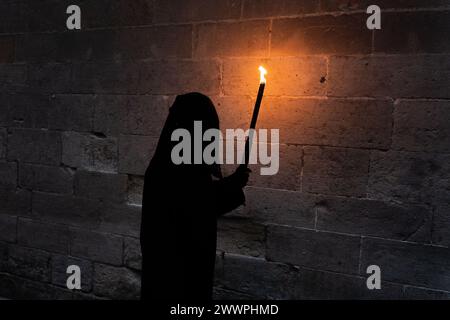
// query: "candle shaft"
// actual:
[[249, 139]]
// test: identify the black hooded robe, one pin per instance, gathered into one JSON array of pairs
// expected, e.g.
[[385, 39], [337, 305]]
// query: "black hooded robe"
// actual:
[[180, 207]]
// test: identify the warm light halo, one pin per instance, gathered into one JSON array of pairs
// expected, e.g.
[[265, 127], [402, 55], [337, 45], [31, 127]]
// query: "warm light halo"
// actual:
[[262, 73]]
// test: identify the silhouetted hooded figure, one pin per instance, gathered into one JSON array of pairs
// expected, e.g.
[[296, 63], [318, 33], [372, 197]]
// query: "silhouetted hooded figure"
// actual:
[[180, 207]]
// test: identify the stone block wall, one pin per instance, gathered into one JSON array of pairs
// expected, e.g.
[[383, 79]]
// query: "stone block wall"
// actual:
[[364, 119]]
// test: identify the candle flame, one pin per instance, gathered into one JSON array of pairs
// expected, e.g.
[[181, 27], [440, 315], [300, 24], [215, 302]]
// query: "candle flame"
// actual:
[[262, 73]]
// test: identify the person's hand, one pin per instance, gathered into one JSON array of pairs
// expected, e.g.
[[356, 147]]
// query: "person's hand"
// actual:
[[240, 176]]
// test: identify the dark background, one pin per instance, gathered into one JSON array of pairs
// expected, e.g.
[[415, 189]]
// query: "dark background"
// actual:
[[364, 119]]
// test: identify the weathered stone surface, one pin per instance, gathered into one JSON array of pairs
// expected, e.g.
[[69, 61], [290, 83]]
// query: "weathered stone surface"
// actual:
[[8, 46], [104, 13], [8, 175], [4, 108], [150, 42], [35, 146], [90, 152], [135, 153], [103, 186], [218, 267], [132, 253], [413, 293], [135, 189], [50, 237], [345, 5], [121, 219], [282, 172], [441, 226], [67, 209], [289, 169], [335, 171], [8, 228], [33, 13], [29, 263], [60, 264], [244, 274], [13, 77], [374, 218], [140, 115], [146, 115], [249, 38], [314, 284], [105, 77], [196, 10], [313, 249], [442, 191], [160, 42], [408, 263], [22, 289], [2, 142], [389, 76], [225, 294], [14, 202], [234, 112], [99, 247], [11, 17], [37, 47], [268, 8], [77, 295], [417, 32], [92, 104], [72, 112], [29, 110], [324, 34], [288, 76], [241, 236], [49, 77], [282, 207], [153, 77], [409, 176], [45, 178], [110, 114], [3, 255], [116, 283], [355, 123], [177, 77], [421, 126]]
